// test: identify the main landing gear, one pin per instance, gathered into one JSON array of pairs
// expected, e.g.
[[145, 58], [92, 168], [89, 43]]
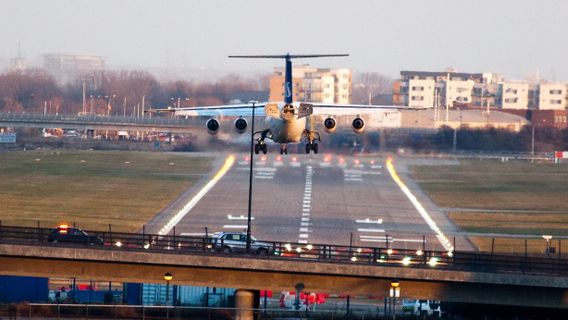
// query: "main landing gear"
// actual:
[[261, 145], [284, 148], [312, 137]]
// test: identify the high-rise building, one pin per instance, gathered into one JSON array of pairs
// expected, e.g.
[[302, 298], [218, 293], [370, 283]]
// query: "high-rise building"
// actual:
[[311, 84]]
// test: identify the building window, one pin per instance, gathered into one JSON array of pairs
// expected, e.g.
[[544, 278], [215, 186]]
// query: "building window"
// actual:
[[555, 91], [511, 90], [417, 98], [415, 88]]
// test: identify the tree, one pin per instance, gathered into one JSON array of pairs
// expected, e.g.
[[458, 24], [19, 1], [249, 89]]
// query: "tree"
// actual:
[[370, 84]]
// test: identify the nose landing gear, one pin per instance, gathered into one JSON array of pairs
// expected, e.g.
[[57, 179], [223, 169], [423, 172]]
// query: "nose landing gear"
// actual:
[[283, 148]]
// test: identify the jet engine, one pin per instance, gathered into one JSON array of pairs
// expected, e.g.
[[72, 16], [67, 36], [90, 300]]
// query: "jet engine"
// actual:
[[240, 125], [212, 126], [358, 124], [330, 124]]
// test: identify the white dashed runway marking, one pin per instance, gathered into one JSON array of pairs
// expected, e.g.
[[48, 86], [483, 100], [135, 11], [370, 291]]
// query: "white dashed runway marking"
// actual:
[[306, 207]]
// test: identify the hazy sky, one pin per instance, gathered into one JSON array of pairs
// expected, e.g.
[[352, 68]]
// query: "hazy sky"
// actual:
[[514, 38]]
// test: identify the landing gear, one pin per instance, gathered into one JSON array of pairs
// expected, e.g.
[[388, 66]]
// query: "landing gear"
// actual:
[[311, 146], [312, 137], [260, 146], [284, 148]]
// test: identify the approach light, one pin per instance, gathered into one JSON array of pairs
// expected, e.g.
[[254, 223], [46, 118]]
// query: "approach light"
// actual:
[[353, 259], [419, 252], [450, 254], [389, 251], [298, 249], [146, 245], [309, 247], [288, 247], [118, 244], [359, 250], [406, 261]]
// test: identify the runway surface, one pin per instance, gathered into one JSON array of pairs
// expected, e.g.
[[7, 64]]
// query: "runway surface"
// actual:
[[315, 199]]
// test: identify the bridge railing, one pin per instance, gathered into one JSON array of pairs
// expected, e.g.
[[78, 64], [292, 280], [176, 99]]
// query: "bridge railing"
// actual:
[[377, 256], [35, 117]]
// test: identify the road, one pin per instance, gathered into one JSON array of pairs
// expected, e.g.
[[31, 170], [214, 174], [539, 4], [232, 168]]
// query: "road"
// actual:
[[318, 199]]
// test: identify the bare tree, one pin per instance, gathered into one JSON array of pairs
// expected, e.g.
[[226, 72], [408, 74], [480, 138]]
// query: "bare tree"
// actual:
[[367, 85]]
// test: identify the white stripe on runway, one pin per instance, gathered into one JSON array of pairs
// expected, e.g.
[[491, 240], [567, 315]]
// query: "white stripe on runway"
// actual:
[[234, 226], [370, 230], [189, 205]]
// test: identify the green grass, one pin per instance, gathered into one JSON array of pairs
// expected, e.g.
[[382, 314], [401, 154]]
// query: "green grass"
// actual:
[[92, 188], [537, 191]]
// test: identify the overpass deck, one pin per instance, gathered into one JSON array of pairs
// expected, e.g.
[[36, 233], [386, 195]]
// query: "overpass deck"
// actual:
[[460, 277]]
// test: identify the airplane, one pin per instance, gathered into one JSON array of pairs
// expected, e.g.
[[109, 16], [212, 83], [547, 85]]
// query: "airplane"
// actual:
[[287, 121]]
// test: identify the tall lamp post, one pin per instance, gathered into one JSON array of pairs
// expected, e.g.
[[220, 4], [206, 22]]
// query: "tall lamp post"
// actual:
[[394, 293], [250, 174]]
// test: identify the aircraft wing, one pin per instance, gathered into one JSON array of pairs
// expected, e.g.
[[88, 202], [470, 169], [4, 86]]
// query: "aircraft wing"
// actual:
[[353, 109], [236, 110]]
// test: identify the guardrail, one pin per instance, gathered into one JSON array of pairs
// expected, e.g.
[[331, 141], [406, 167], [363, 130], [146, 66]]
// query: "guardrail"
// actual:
[[377, 256], [92, 119]]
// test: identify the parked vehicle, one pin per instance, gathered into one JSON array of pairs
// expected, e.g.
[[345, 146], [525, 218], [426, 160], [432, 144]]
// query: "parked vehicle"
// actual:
[[237, 242], [64, 234], [430, 308]]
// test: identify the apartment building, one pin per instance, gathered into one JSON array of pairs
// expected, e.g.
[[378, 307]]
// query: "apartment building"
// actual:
[[513, 95], [313, 84], [424, 89], [551, 96]]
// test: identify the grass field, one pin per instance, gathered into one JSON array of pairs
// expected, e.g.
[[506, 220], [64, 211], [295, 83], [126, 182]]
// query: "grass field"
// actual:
[[495, 197], [92, 188]]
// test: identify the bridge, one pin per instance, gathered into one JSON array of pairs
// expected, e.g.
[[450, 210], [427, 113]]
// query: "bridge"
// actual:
[[483, 278], [94, 122]]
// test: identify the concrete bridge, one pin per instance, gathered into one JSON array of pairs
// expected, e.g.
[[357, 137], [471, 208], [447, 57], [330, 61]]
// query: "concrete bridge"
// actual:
[[254, 273], [93, 122]]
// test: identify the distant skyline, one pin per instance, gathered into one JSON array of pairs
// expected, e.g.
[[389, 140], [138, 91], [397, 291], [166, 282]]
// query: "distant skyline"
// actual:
[[514, 38]]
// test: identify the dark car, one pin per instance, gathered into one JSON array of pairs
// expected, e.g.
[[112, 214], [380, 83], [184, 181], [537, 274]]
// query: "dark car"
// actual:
[[64, 234]]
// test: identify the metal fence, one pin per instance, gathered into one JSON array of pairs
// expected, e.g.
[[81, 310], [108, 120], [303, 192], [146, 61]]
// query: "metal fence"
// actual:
[[556, 265], [93, 311]]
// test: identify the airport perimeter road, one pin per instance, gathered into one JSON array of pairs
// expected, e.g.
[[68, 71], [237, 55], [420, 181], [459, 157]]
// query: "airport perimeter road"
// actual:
[[315, 199]]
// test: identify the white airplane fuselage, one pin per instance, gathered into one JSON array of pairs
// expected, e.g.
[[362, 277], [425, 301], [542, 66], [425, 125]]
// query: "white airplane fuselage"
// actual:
[[286, 131]]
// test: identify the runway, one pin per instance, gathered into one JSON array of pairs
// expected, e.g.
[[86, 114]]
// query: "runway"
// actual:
[[313, 199]]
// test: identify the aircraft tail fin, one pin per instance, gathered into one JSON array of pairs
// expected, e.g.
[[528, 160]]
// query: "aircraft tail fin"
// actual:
[[288, 97]]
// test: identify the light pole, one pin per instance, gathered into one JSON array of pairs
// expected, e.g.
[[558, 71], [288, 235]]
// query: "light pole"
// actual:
[[250, 174], [168, 277], [394, 293]]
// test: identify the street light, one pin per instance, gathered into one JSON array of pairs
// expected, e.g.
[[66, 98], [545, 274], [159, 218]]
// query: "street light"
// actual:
[[250, 174], [168, 277], [394, 293]]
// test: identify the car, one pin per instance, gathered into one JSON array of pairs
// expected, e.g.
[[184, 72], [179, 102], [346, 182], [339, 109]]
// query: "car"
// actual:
[[64, 234], [237, 242]]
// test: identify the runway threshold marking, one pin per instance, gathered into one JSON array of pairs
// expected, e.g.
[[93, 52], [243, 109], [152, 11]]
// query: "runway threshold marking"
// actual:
[[191, 203], [425, 215]]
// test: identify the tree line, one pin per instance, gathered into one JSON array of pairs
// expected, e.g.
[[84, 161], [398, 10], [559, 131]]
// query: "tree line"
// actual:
[[35, 91]]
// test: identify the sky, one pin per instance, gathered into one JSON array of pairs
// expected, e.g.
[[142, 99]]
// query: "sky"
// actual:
[[515, 38]]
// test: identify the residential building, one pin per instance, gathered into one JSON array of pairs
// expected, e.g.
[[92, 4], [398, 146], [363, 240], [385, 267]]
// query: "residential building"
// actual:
[[424, 89], [313, 84], [551, 96], [513, 95]]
